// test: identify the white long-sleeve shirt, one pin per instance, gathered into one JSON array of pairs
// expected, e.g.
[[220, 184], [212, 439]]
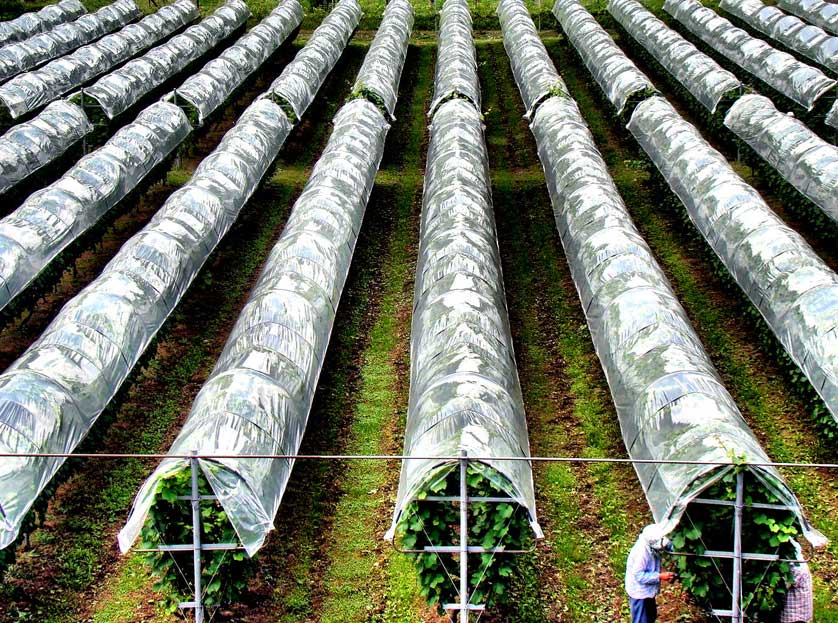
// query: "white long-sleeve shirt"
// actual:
[[643, 570]]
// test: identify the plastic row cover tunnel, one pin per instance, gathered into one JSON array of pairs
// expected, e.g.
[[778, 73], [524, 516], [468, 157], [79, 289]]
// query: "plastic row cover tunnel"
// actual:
[[832, 116], [817, 12], [669, 398], [301, 79], [805, 160], [259, 395], [30, 24], [379, 77], [787, 282], [34, 89], [534, 72], [810, 41], [52, 395], [616, 74], [699, 74], [204, 92], [116, 92], [456, 63], [52, 218], [19, 57], [27, 147], [797, 81], [464, 389]]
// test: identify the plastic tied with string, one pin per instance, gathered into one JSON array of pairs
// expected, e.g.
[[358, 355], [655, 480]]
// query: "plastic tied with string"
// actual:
[[37, 88], [258, 397], [699, 74], [811, 41], [379, 76], [28, 147], [532, 68], [800, 156], [121, 89], [30, 24], [793, 289], [208, 89], [799, 82], [22, 56], [301, 79]]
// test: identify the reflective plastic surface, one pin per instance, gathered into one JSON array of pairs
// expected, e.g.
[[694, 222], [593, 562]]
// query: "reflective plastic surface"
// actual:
[[30, 24], [793, 289], [456, 62], [817, 12]]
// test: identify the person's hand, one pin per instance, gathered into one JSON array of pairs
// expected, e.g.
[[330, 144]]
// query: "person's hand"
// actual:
[[667, 576]]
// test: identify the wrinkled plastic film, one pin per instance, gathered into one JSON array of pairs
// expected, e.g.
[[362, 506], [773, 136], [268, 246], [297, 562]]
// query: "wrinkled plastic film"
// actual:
[[30, 24], [259, 395], [670, 401], [456, 62], [810, 41], [699, 74], [208, 89], [382, 69], [534, 72], [27, 147], [616, 74], [34, 89], [787, 282], [794, 79], [24, 55], [119, 90], [52, 218], [800, 156], [464, 388], [302, 77], [817, 12], [53, 394]]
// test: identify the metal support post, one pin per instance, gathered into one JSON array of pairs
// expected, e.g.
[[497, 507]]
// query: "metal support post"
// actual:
[[464, 598], [736, 609], [196, 537]]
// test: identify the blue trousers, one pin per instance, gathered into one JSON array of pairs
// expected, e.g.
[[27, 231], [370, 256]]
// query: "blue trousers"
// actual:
[[643, 610]]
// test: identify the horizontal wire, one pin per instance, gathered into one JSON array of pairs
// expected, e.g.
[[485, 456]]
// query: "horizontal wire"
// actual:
[[403, 457]]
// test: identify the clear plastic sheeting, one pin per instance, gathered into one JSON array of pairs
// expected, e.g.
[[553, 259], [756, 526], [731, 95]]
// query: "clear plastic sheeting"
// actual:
[[670, 400], [802, 158], [699, 74], [27, 147], [34, 89], [30, 24], [464, 388], [382, 69], [456, 62], [52, 395], [303, 77], [258, 397], [208, 89], [23, 56], [817, 12], [119, 90], [534, 72], [787, 282], [798, 81], [810, 41], [616, 75], [52, 218]]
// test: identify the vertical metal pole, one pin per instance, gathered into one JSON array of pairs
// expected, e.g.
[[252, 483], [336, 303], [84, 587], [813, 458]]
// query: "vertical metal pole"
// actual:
[[464, 598], [196, 537], [737, 549]]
